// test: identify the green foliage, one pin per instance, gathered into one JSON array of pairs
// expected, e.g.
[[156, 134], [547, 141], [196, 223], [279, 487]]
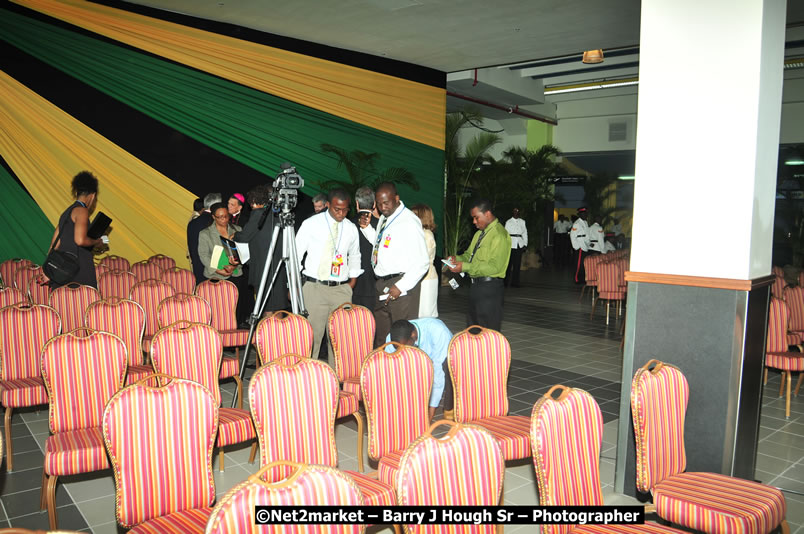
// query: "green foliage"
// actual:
[[361, 170], [596, 191]]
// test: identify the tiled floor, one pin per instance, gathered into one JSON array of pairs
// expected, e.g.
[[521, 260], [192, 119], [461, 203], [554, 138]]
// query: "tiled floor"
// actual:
[[553, 341]]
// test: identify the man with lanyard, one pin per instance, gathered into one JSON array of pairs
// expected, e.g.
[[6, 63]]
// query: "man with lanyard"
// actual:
[[579, 237], [486, 265], [399, 258], [333, 262], [432, 336], [518, 231]]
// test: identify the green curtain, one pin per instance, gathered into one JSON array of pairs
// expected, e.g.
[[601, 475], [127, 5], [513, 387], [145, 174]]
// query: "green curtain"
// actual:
[[27, 232], [255, 128]]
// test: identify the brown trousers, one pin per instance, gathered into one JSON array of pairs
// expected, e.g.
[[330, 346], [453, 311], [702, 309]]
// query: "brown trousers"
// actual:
[[388, 311]]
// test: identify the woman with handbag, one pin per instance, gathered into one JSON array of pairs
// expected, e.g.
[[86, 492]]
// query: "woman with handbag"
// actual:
[[70, 256]]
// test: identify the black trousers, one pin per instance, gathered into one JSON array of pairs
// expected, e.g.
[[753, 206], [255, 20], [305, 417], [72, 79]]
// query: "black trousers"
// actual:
[[514, 266], [486, 304], [448, 397], [388, 311], [245, 298]]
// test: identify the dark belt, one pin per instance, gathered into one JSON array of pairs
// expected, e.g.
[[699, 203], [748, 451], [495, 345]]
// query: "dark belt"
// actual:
[[516, 235], [484, 279], [323, 282], [387, 276]]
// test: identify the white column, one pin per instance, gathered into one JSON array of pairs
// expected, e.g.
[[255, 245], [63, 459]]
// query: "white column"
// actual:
[[710, 88]]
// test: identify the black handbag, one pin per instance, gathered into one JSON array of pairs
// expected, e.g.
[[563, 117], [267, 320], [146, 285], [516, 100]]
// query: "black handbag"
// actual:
[[60, 266]]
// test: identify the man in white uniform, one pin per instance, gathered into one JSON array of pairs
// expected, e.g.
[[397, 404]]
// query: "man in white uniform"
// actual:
[[579, 237], [399, 258], [333, 262], [597, 238], [518, 231]]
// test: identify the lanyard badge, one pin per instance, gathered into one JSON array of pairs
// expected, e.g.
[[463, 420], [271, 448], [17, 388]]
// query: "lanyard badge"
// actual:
[[337, 262]]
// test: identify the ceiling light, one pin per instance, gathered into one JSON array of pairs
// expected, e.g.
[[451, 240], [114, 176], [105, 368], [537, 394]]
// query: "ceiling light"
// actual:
[[555, 90], [593, 56], [794, 160], [625, 178], [794, 63]]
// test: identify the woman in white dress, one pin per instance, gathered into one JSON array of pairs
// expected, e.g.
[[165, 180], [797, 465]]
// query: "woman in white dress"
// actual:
[[428, 301]]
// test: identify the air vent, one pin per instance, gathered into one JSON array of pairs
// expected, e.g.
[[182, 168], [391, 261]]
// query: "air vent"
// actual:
[[617, 131]]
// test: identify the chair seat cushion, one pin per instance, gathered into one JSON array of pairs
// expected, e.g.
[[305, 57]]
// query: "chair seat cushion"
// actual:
[[234, 426], [375, 493], [717, 503], [352, 385], [230, 366], [786, 361], [389, 467], [23, 392], [347, 403], [649, 528], [135, 373], [184, 522], [234, 338], [78, 451], [512, 433]]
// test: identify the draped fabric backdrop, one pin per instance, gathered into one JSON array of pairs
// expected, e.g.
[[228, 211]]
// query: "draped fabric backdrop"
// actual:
[[31, 231]]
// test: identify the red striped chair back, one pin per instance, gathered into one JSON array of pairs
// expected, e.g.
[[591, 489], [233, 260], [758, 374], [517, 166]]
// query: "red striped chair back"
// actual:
[[116, 263], [25, 274], [81, 371], [778, 320], [565, 435], [10, 296], [191, 351], [307, 485], [116, 284], [38, 292], [794, 298], [9, 267], [293, 401], [777, 289], [24, 330], [101, 269], [164, 262], [183, 307], [149, 294], [464, 468], [396, 393], [590, 270], [123, 318], [283, 333], [149, 444], [71, 301], [351, 331], [777, 271], [659, 395], [145, 270], [608, 281], [479, 360], [182, 280], [222, 297]]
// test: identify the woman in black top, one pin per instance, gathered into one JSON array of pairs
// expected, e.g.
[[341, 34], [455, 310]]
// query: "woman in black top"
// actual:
[[74, 223]]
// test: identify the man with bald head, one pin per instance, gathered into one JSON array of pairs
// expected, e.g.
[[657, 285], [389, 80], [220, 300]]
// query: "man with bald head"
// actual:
[[399, 258]]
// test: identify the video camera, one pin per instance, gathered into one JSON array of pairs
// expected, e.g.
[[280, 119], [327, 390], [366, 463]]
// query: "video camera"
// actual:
[[286, 186]]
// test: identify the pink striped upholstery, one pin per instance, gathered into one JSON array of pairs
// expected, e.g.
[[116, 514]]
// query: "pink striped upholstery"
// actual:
[[182, 280], [776, 270], [308, 485], [164, 262], [149, 294], [222, 297], [352, 385], [347, 404], [608, 281], [511, 432], [101, 269], [183, 307], [116, 284], [794, 298], [778, 324], [161, 434], [777, 354], [647, 528], [145, 270], [184, 522], [283, 333], [590, 269], [24, 330], [125, 319], [777, 289], [9, 267], [75, 452], [351, 331], [38, 292], [25, 274], [465, 468], [11, 295], [396, 393], [703, 501], [71, 301], [117, 263]]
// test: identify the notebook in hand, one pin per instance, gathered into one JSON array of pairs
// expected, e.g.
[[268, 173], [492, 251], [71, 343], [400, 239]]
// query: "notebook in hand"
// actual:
[[231, 249], [99, 225]]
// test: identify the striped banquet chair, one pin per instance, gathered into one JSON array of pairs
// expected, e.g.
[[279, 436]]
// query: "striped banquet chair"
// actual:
[[479, 360], [283, 333], [590, 264], [222, 297], [182, 280], [608, 286], [777, 353], [396, 393], [566, 433], [709, 502], [145, 270], [25, 274], [39, 291], [24, 330], [148, 445], [79, 388], [101, 269], [351, 332], [302, 430], [307, 485], [164, 262], [116, 263], [9, 267], [71, 301], [10, 296], [193, 351], [125, 319], [794, 298], [115, 283], [149, 294], [463, 468], [183, 307]]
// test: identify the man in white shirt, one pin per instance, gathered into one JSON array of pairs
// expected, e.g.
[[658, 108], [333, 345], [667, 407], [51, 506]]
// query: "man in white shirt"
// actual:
[[399, 258], [597, 238], [333, 262], [579, 237], [561, 242], [518, 231]]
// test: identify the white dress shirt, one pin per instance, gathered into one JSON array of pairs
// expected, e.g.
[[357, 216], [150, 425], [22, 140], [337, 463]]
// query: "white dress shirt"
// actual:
[[562, 227], [579, 235], [312, 239], [597, 239], [517, 226], [402, 248]]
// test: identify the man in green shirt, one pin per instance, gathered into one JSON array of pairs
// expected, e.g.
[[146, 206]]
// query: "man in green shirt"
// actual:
[[485, 261]]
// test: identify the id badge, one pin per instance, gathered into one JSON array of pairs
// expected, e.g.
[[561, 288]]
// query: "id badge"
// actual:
[[337, 262], [386, 241]]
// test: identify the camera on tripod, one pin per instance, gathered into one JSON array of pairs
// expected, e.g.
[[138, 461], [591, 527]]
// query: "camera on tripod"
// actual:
[[286, 187]]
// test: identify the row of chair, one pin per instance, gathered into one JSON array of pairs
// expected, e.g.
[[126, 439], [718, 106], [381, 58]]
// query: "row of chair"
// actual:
[[605, 278]]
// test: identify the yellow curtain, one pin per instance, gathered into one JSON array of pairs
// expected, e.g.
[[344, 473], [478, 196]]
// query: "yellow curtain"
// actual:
[[401, 107], [45, 147]]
